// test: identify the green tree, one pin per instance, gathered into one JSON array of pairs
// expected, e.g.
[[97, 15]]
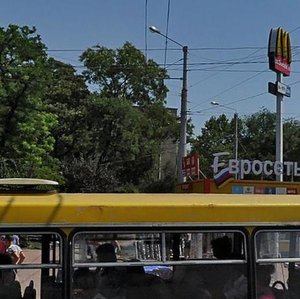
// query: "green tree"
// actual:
[[114, 141], [25, 123], [125, 121], [258, 136], [67, 97], [125, 73], [291, 140], [216, 136]]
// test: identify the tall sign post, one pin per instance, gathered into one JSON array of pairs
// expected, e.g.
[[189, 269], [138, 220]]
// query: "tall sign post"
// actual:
[[280, 58]]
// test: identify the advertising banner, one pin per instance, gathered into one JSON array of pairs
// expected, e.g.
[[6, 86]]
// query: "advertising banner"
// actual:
[[190, 165]]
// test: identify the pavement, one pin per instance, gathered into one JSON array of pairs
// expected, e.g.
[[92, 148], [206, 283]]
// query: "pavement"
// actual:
[[33, 256]]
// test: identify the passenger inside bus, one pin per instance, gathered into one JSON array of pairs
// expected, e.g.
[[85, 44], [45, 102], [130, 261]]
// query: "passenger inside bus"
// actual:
[[222, 248], [110, 281], [106, 253], [225, 281]]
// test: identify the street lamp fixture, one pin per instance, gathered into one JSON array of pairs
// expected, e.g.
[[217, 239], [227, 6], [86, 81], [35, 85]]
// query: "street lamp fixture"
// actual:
[[153, 29], [236, 119], [183, 111]]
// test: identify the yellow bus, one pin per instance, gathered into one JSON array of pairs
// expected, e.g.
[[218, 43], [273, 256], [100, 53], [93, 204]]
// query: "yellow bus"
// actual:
[[208, 246]]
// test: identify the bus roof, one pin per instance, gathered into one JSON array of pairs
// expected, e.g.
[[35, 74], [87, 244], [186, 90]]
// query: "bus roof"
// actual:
[[147, 209], [27, 181]]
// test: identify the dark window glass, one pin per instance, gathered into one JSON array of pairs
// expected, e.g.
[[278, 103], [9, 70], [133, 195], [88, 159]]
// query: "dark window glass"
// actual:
[[277, 264], [175, 265]]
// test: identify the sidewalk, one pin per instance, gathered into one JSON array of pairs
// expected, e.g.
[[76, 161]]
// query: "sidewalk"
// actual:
[[33, 256]]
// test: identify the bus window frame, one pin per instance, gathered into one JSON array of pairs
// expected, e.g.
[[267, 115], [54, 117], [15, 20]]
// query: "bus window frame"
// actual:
[[63, 251], [163, 230], [253, 249], [274, 229]]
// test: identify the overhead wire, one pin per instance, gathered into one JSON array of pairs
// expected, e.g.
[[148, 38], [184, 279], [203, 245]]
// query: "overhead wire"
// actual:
[[177, 49], [226, 90], [240, 82], [228, 64]]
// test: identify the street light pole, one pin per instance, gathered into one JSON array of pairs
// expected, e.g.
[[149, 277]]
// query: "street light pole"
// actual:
[[279, 129], [183, 109], [236, 135], [183, 118]]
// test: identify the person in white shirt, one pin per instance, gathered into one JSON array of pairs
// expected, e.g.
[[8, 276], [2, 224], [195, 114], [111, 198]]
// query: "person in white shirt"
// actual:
[[14, 250]]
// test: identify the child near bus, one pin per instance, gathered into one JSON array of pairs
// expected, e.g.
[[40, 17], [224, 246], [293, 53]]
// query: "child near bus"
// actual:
[[14, 250]]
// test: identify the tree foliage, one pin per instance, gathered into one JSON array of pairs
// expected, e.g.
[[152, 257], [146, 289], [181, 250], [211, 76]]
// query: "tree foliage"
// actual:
[[258, 136], [217, 135], [125, 73], [111, 136], [121, 125], [25, 122], [53, 126]]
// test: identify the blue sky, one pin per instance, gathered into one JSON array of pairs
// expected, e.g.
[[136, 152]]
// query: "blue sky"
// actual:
[[217, 33]]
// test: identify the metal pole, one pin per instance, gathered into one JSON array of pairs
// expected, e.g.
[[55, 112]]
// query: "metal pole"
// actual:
[[279, 129], [236, 147], [183, 111], [183, 118]]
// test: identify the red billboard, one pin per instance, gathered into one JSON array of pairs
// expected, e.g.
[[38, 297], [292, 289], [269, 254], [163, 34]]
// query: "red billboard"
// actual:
[[190, 165]]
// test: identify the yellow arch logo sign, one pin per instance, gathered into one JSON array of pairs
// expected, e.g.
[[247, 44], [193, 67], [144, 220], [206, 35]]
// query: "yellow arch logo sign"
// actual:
[[279, 51]]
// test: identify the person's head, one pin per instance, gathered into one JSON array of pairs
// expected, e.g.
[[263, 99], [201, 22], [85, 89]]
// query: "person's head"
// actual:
[[221, 247], [106, 253]]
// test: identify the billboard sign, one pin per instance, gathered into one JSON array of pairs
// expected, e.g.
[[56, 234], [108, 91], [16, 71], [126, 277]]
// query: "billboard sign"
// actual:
[[256, 167], [190, 165], [279, 51]]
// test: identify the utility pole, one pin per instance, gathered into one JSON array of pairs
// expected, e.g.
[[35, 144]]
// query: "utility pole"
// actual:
[[183, 117], [183, 109]]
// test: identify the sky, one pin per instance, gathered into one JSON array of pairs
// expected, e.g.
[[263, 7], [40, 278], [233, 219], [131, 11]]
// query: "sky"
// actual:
[[227, 44]]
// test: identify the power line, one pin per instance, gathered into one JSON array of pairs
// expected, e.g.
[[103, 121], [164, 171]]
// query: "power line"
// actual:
[[238, 100], [177, 49], [241, 82], [201, 81]]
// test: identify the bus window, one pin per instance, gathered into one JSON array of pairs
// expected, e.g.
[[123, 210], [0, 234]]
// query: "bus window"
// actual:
[[210, 263], [115, 265], [127, 247], [199, 245], [159, 265], [40, 273], [277, 263]]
